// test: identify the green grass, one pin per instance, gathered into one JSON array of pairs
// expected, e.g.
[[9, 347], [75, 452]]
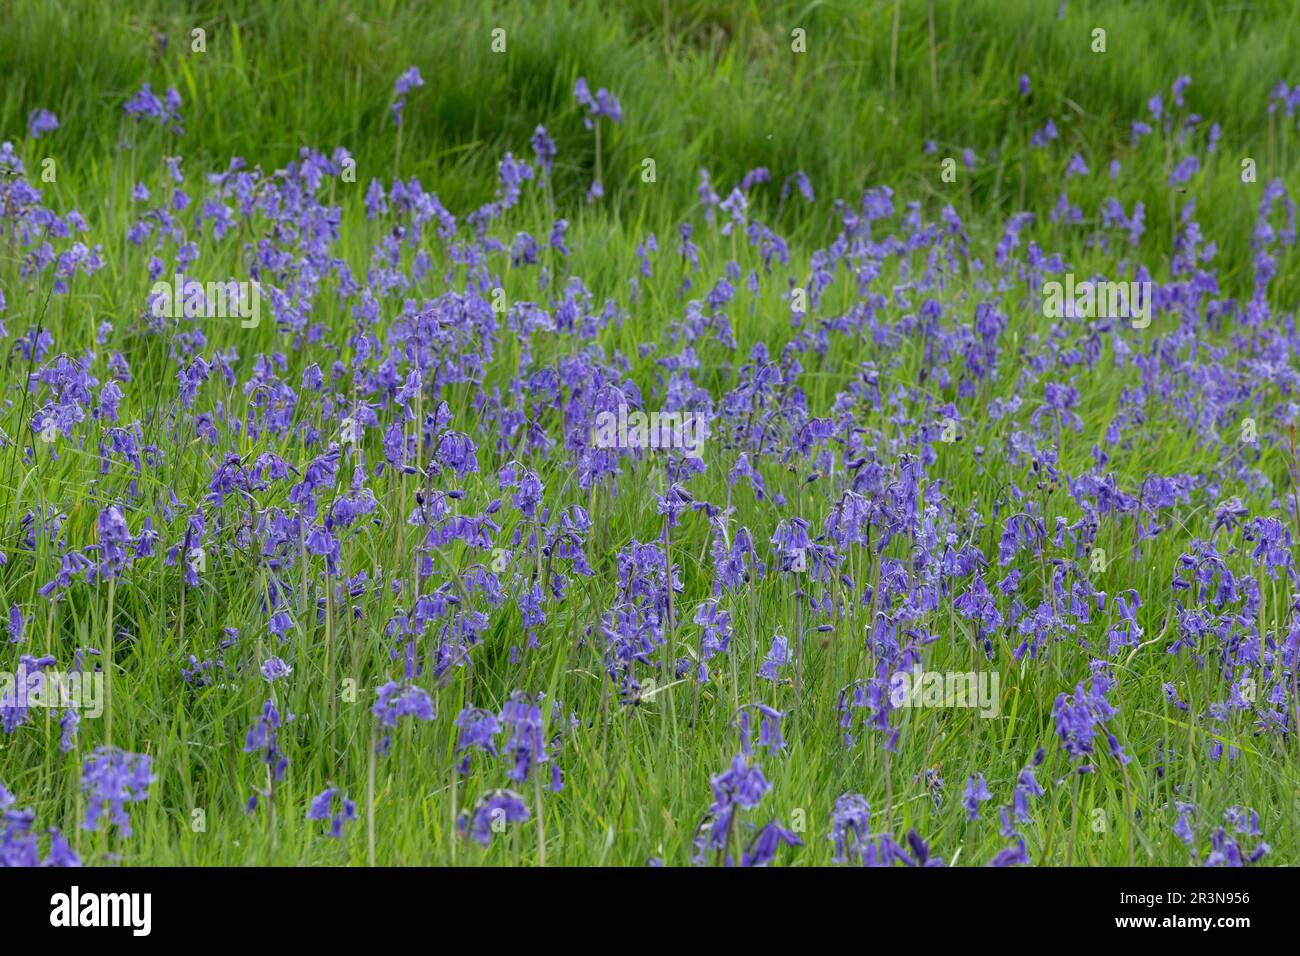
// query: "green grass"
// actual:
[[702, 84]]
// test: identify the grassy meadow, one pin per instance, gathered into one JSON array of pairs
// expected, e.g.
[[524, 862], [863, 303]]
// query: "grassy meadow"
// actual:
[[362, 586]]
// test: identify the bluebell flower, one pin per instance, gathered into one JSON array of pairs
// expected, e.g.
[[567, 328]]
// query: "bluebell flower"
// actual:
[[491, 814], [478, 730], [40, 122], [111, 779], [762, 848], [264, 740], [522, 722], [976, 792], [333, 806], [1011, 856], [850, 825]]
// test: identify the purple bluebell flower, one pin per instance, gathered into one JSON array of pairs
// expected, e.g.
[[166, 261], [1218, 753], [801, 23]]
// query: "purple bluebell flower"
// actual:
[[478, 730], [40, 122], [394, 700], [146, 104], [111, 779], [544, 149], [332, 805], [762, 848], [409, 80], [778, 656], [1011, 856], [522, 721], [604, 103], [976, 792], [264, 740], [273, 669], [491, 814], [850, 826]]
